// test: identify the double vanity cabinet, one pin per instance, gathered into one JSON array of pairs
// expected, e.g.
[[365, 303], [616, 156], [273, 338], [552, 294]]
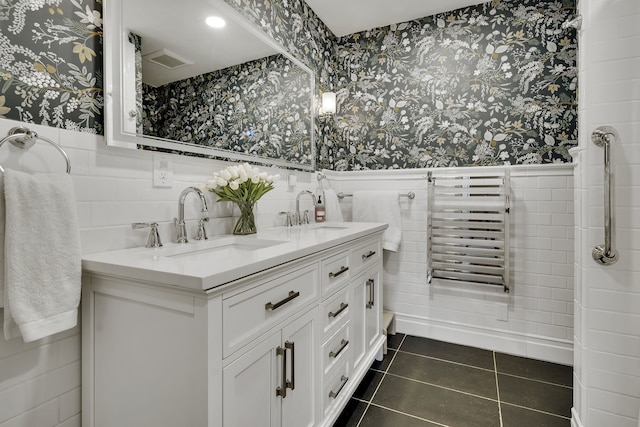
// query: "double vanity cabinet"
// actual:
[[274, 329]]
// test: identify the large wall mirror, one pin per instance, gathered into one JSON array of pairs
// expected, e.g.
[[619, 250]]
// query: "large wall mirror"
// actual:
[[175, 83]]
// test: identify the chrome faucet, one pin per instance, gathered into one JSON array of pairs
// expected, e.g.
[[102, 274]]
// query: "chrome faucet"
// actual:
[[181, 228], [299, 219]]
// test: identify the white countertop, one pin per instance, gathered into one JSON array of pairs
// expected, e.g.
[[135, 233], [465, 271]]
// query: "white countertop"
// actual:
[[221, 259]]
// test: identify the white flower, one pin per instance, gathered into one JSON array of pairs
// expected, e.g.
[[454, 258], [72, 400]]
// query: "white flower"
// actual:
[[234, 185], [255, 179], [212, 184], [233, 170], [225, 174], [221, 182]]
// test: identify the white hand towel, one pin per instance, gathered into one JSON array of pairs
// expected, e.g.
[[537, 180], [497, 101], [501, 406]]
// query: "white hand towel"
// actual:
[[380, 206], [332, 206], [42, 265]]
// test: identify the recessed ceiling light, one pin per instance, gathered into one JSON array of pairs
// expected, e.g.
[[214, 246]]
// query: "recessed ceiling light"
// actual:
[[215, 22]]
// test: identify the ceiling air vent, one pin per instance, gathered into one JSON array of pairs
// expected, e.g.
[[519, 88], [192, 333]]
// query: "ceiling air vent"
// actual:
[[166, 59]]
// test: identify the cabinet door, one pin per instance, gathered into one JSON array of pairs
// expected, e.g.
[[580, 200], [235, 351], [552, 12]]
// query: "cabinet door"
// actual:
[[299, 339], [249, 384], [373, 307]]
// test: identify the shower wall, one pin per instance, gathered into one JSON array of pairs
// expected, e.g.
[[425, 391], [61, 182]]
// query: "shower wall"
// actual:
[[536, 318], [607, 326]]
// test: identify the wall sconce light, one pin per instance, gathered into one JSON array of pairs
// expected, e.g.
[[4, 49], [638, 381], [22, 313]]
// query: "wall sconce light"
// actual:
[[328, 103]]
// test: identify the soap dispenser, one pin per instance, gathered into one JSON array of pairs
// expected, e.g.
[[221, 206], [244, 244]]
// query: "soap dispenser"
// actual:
[[320, 211]]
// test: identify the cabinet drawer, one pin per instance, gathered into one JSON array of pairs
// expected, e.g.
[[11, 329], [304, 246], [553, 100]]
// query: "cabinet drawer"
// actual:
[[334, 272], [334, 384], [335, 312], [365, 254], [246, 315], [336, 348]]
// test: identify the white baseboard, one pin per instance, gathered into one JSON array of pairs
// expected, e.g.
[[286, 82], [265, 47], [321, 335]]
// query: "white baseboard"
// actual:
[[575, 419], [532, 346]]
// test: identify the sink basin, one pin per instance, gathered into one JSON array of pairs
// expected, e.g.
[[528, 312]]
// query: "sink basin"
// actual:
[[224, 246], [321, 226]]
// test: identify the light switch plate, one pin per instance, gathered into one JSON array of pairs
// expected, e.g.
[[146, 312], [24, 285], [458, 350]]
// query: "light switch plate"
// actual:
[[162, 171]]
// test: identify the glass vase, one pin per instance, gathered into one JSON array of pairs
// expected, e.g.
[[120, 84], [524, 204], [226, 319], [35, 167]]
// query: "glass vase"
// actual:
[[246, 223]]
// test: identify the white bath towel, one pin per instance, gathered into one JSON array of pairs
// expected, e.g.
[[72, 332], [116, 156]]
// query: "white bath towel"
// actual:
[[42, 259], [332, 206], [380, 206]]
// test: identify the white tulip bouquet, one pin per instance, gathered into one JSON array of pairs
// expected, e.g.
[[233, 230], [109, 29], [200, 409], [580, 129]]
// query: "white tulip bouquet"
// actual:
[[243, 185]]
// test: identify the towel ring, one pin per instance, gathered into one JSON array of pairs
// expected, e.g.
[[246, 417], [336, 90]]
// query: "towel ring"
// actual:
[[24, 138]]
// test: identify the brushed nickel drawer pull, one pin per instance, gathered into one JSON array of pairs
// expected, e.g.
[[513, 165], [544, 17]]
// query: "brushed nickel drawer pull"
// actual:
[[343, 344], [272, 306], [369, 255], [334, 394], [343, 269], [343, 307], [288, 345], [372, 293], [282, 390]]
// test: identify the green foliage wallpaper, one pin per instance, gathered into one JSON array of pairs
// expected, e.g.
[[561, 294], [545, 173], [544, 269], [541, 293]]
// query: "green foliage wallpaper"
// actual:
[[260, 108], [51, 63], [484, 85]]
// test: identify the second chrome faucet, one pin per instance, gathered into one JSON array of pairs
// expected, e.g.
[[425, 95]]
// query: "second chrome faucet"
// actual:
[[181, 227]]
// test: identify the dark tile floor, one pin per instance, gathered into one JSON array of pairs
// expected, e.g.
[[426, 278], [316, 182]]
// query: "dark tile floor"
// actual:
[[423, 382]]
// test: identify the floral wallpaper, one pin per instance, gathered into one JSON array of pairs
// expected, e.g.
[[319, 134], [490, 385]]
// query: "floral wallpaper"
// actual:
[[483, 85], [51, 63], [294, 25], [486, 85], [259, 108]]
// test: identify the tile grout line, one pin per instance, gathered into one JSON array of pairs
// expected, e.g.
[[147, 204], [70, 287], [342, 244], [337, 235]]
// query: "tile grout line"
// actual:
[[408, 415], [537, 380], [485, 369], [443, 387], [495, 371], [539, 411], [380, 383], [446, 360]]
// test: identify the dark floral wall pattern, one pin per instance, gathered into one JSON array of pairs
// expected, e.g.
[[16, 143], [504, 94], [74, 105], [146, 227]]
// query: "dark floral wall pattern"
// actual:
[[483, 85], [51, 63], [259, 108], [297, 28], [487, 85]]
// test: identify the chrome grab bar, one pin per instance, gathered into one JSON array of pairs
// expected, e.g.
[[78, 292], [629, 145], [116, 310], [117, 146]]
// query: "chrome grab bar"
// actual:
[[605, 254]]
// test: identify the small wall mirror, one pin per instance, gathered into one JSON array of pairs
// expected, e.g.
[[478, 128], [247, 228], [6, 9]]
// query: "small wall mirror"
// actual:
[[175, 83]]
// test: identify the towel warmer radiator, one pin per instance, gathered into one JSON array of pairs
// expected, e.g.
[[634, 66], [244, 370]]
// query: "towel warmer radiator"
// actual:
[[468, 229]]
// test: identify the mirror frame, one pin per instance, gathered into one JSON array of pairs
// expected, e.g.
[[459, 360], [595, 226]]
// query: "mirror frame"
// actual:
[[114, 39]]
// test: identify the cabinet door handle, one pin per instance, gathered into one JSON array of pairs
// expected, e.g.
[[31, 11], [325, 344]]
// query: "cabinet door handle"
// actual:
[[343, 307], [343, 269], [343, 344], [372, 293], [334, 394], [272, 306], [282, 390], [291, 346], [369, 255]]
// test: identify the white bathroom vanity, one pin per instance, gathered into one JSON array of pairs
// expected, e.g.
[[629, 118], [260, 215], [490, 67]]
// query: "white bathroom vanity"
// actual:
[[273, 329]]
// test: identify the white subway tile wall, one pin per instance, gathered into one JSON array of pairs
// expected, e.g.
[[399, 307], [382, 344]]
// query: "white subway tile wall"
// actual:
[[40, 382], [607, 298], [540, 306]]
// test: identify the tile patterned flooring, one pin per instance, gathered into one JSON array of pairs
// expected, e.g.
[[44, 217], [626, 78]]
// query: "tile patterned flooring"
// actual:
[[423, 382]]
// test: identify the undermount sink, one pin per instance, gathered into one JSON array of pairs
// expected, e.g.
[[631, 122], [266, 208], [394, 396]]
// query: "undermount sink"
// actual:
[[318, 226], [226, 245]]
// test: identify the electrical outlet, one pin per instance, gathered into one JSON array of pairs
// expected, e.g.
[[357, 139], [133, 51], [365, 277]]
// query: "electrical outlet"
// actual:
[[502, 311], [162, 171]]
